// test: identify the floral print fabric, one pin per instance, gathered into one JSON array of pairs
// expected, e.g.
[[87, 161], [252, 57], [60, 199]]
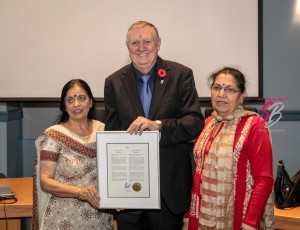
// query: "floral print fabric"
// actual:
[[76, 165]]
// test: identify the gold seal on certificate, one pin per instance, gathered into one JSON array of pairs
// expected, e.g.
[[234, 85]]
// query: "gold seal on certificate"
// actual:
[[137, 186]]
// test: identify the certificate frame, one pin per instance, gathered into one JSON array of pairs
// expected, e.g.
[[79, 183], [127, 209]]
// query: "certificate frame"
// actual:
[[128, 170]]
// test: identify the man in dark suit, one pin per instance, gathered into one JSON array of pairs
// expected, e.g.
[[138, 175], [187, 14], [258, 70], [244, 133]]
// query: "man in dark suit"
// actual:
[[174, 111]]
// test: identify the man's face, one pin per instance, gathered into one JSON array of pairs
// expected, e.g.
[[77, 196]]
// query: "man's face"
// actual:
[[143, 45]]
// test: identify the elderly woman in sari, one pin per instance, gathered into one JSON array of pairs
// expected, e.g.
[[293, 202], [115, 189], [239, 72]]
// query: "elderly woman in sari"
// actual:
[[65, 194], [233, 179]]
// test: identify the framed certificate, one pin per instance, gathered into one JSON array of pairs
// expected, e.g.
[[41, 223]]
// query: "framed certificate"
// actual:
[[128, 170]]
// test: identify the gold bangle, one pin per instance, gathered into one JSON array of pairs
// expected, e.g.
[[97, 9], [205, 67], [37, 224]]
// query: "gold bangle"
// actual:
[[78, 193]]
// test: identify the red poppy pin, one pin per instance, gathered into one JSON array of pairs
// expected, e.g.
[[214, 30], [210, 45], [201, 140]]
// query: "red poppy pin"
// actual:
[[162, 74]]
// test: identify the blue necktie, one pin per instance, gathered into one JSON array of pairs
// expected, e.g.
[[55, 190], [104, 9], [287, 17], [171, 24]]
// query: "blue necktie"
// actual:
[[146, 94]]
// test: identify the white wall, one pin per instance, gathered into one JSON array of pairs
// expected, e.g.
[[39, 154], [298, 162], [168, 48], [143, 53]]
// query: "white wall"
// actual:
[[46, 43]]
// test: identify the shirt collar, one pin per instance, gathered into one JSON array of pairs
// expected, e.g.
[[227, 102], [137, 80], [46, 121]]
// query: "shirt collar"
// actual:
[[139, 74]]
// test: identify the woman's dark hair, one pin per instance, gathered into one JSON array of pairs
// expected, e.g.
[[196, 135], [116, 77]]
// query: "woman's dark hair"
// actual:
[[64, 116], [239, 77]]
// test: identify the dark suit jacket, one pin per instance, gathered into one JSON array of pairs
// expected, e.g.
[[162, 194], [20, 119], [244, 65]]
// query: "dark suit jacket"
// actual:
[[175, 102]]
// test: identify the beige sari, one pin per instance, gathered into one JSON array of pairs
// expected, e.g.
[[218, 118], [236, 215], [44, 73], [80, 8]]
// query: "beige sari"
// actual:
[[76, 165]]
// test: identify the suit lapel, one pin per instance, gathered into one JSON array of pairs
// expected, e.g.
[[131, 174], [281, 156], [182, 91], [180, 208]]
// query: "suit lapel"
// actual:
[[131, 89], [159, 88]]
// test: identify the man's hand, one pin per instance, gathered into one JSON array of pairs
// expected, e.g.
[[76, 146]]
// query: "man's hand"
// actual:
[[140, 124]]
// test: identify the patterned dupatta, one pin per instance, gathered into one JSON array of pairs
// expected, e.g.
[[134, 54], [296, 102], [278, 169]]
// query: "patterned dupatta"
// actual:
[[214, 151]]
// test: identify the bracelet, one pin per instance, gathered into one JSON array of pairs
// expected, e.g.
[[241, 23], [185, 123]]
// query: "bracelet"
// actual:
[[78, 193]]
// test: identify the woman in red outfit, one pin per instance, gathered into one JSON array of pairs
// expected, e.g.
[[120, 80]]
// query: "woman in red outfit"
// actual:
[[233, 180]]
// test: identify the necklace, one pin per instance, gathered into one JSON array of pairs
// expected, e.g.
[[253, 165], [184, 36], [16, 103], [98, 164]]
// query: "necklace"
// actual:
[[85, 139], [216, 129]]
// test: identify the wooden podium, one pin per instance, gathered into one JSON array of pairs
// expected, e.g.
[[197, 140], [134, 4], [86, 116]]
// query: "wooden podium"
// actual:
[[22, 208]]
